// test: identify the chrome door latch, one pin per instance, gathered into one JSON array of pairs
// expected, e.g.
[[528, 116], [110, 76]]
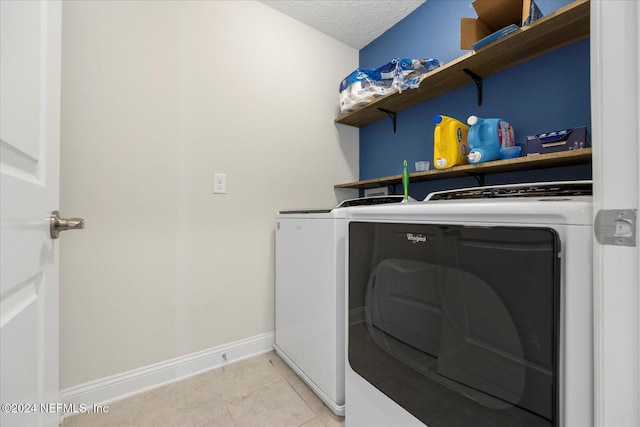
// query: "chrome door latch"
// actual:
[[57, 224], [616, 227]]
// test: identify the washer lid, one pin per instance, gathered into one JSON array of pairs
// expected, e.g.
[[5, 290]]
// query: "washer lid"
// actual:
[[373, 200], [541, 189], [305, 211]]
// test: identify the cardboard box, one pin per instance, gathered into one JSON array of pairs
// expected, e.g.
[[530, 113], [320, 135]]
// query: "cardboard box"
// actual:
[[494, 16], [561, 140]]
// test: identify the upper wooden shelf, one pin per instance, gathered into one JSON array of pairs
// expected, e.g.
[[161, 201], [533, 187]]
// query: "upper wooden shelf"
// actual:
[[563, 158], [560, 28]]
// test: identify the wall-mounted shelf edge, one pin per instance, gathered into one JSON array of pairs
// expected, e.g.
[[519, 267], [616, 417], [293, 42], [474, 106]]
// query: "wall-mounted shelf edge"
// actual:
[[560, 28], [563, 158]]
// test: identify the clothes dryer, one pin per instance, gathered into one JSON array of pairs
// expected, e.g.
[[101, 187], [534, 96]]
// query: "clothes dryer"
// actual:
[[309, 295]]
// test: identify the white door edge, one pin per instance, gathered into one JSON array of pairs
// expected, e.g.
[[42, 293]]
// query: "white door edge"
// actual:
[[615, 99]]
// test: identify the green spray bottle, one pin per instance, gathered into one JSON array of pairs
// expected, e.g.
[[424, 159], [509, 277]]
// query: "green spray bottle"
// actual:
[[405, 181]]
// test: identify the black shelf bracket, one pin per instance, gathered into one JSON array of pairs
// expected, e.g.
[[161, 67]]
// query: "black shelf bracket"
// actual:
[[391, 115], [478, 81], [479, 177]]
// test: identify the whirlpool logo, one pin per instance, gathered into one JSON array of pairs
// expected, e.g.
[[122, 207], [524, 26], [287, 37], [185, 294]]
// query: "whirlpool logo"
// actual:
[[416, 238]]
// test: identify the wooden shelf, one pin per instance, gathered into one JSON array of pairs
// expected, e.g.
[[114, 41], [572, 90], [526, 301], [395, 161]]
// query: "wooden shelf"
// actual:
[[565, 26], [564, 158]]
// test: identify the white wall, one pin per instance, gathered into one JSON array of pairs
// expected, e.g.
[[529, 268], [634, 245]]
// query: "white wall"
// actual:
[[156, 96]]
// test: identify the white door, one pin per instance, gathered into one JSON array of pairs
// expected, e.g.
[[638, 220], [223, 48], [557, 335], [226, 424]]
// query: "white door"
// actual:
[[615, 103], [29, 170]]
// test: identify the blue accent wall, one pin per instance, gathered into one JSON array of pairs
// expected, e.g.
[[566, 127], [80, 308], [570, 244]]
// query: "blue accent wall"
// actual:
[[548, 93]]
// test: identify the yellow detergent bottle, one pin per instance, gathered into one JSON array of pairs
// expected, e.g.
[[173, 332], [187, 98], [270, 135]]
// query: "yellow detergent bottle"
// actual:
[[449, 142]]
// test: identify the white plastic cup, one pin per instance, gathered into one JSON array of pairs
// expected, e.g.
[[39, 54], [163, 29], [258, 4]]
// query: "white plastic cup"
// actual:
[[422, 166]]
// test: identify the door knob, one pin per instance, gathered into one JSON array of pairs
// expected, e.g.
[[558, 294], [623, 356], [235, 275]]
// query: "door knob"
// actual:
[[58, 224]]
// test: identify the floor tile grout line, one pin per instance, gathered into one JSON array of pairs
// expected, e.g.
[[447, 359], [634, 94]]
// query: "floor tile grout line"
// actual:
[[284, 378], [305, 401], [226, 408], [314, 418], [318, 415], [259, 368], [295, 390]]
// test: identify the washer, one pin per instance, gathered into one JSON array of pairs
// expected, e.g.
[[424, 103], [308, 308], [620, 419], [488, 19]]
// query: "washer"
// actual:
[[472, 308], [309, 295]]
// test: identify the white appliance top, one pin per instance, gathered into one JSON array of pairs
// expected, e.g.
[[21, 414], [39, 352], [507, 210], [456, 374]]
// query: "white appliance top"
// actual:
[[499, 205], [372, 200], [361, 201], [541, 189]]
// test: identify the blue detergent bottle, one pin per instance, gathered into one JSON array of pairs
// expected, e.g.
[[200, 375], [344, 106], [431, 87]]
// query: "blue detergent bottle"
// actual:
[[487, 137]]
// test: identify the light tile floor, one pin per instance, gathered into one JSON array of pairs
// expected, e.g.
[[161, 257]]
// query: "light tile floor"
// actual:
[[260, 391]]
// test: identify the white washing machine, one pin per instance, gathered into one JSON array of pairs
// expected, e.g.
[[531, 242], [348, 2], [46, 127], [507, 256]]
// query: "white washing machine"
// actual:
[[309, 296], [472, 308]]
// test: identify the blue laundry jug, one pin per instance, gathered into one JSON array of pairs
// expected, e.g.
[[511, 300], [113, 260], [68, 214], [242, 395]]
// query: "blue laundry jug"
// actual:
[[487, 137]]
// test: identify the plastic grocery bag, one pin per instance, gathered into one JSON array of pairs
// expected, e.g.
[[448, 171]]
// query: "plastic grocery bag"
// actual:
[[366, 84]]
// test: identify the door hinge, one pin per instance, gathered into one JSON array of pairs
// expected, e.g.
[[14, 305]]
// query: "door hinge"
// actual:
[[616, 227]]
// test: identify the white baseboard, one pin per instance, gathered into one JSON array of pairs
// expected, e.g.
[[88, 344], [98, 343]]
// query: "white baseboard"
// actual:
[[115, 387]]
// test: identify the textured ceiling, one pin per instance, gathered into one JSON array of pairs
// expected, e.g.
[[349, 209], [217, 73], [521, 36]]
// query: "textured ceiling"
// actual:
[[354, 22]]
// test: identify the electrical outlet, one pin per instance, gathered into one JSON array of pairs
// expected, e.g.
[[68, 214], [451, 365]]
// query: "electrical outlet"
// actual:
[[219, 183]]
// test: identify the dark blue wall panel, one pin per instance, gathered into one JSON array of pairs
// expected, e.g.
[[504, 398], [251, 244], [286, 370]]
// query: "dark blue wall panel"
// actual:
[[548, 93], [431, 31]]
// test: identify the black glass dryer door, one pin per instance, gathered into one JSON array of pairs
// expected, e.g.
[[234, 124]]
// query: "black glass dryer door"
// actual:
[[458, 325]]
